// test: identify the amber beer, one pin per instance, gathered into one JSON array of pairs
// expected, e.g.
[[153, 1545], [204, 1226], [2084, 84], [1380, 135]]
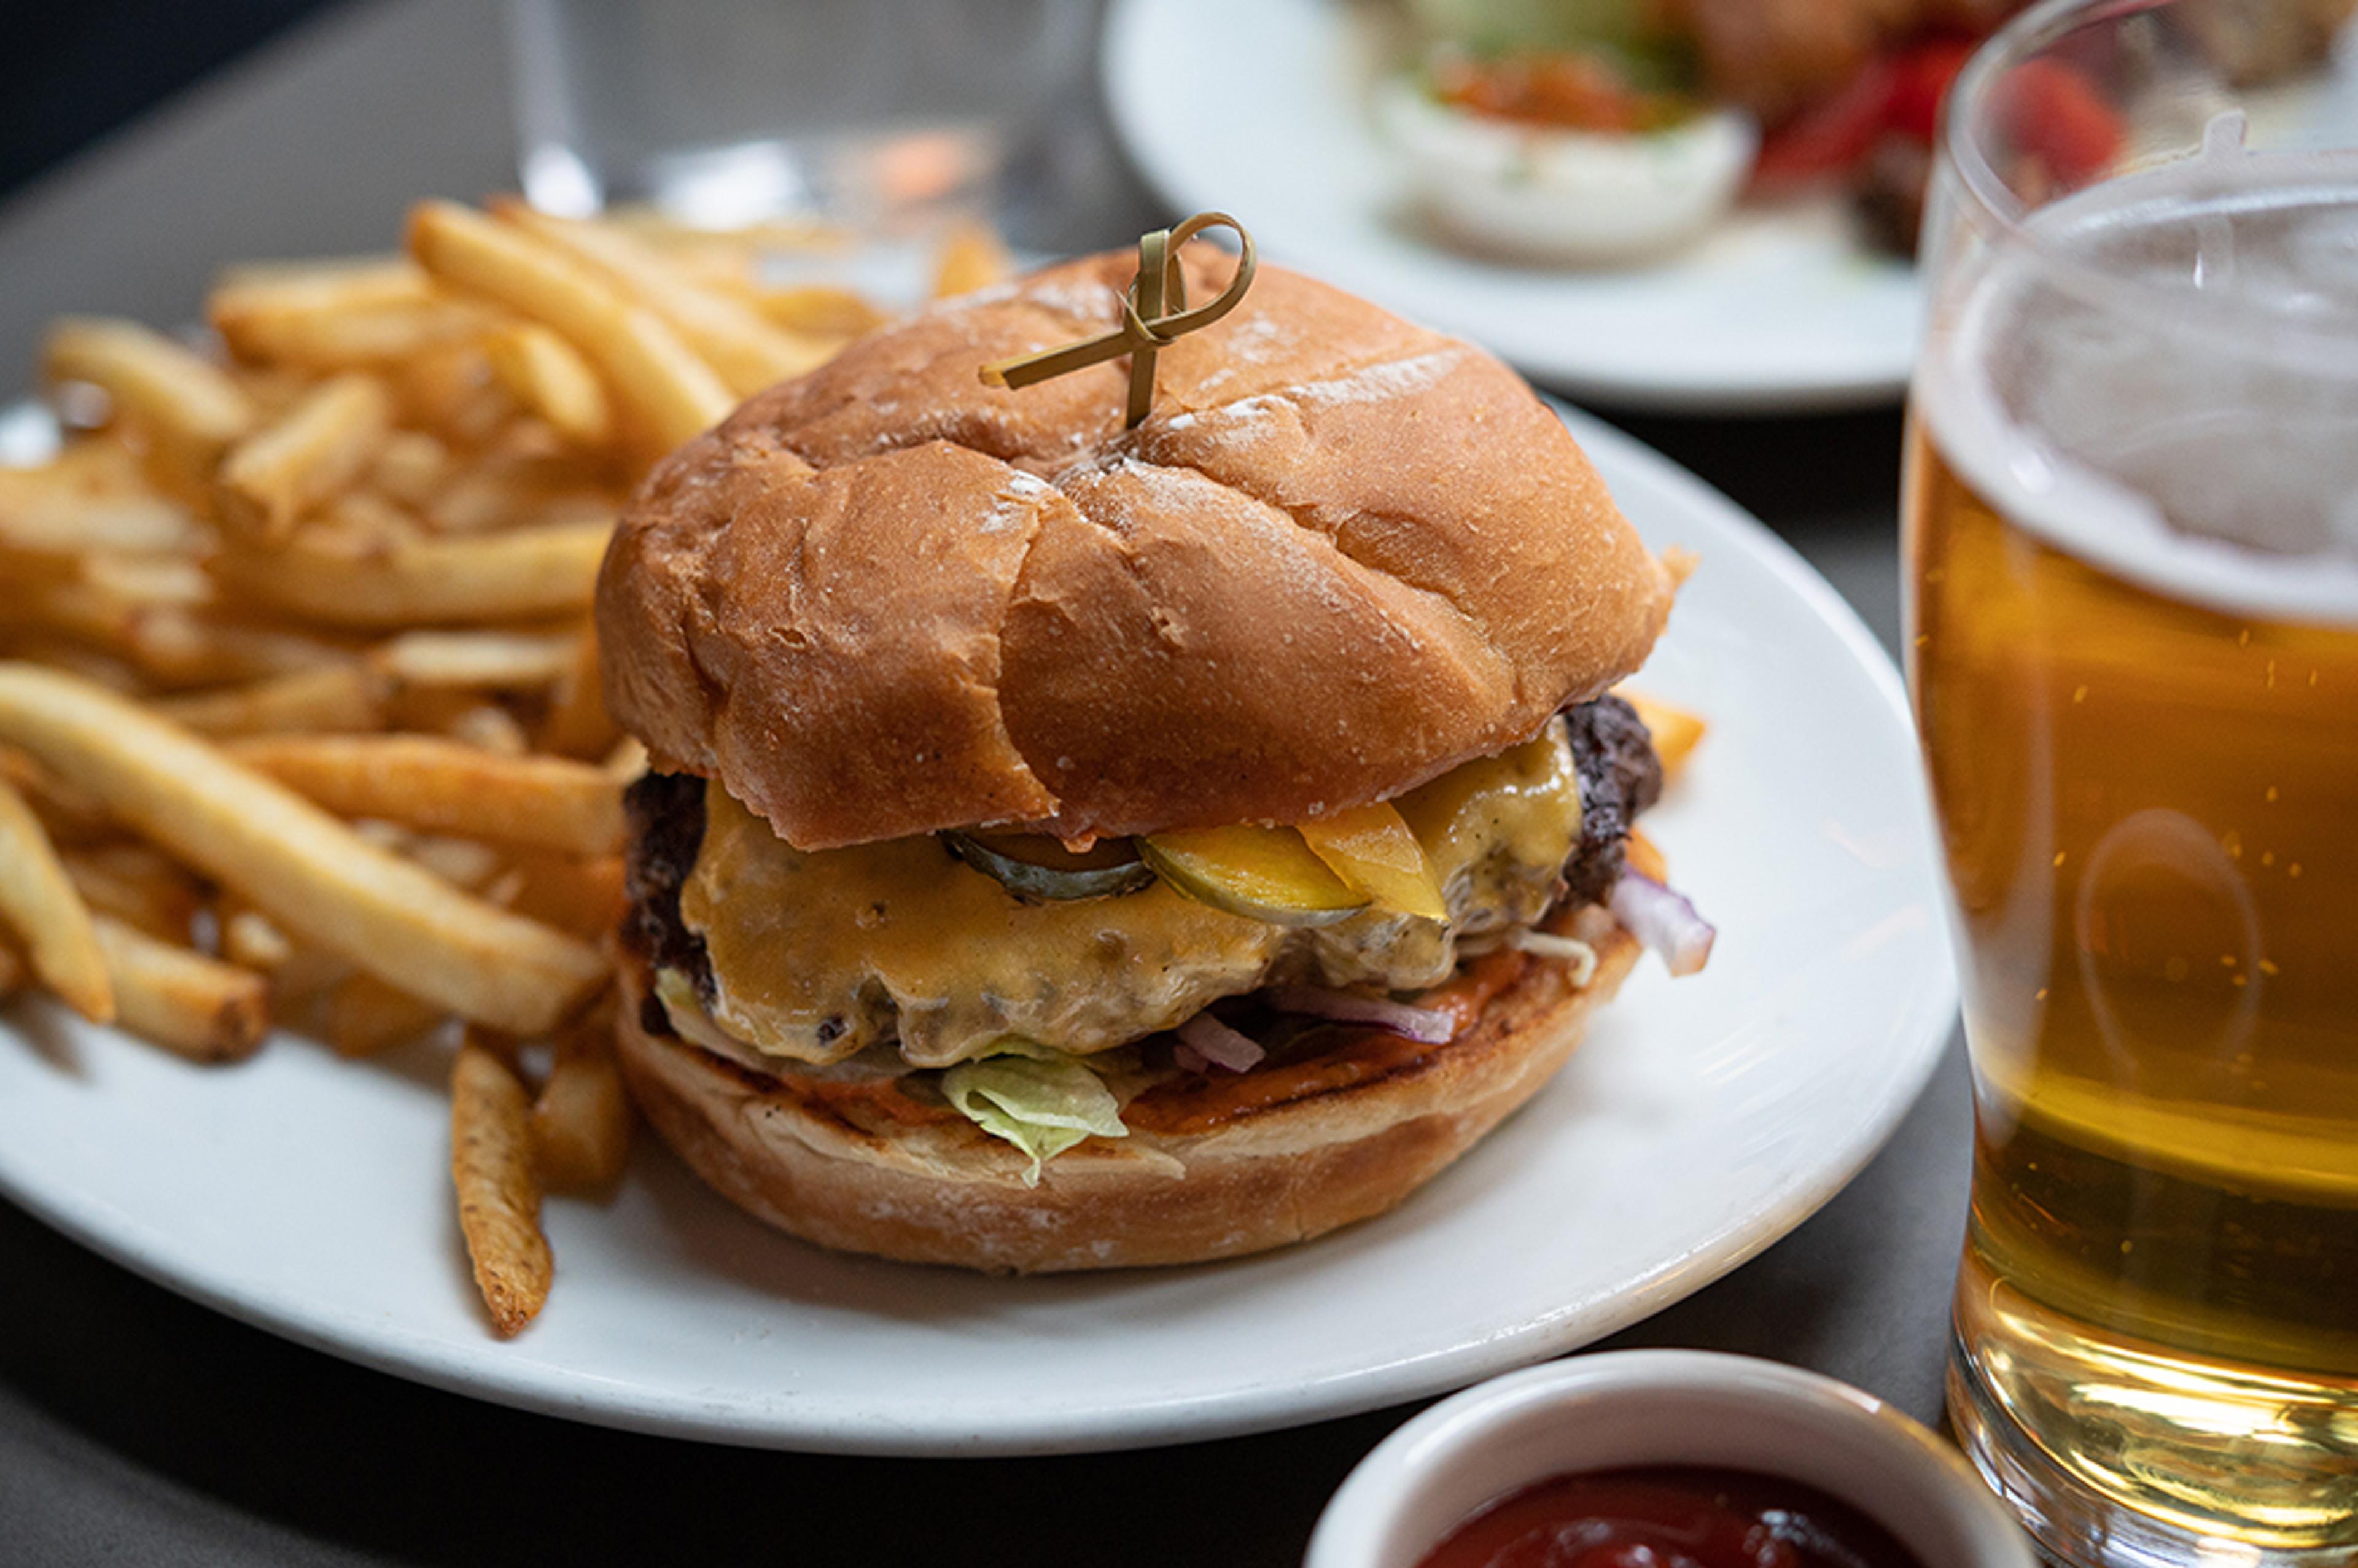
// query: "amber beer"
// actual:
[[2134, 660]]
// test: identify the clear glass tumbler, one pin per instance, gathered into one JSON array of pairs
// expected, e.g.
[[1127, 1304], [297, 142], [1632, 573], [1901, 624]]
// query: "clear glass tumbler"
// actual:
[[2131, 522], [884, 115]]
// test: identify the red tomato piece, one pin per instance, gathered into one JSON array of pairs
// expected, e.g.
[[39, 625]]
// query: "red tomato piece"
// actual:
[[1826, 143], [1924, 71], [2049, 110]]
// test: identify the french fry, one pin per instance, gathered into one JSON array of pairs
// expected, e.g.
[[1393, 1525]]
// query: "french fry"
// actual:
[[642, 358], [581, 1117], [487, 500], [548, 377], [38, 902], [583, 896], [1675, 731], [272, 389], [411, 466], [627, 761], [816, 310], [144, 581], [499, 1192], [56, 511], [972, 256], [308, 455], [748, 352], [449, 388], [1644, 857], [366, 1017], [177, 997], [429, 709], [462, 862], [330, 339], [527, 574], [342, 699], [94, 612], [353, 283], [68, 815], [495, 661], [249, 940], [548, 803], [360, 523], [173, 645], [137, 886], [191, 406], [317, 879], [92, 664], [362, 551], [577, 723], [456, 861], [336, 318], [182, 648], [487, 726], [299, 987], [300, 977]]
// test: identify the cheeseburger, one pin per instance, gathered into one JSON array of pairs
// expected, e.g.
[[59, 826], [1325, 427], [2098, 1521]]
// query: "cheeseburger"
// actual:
[[1071, 845]]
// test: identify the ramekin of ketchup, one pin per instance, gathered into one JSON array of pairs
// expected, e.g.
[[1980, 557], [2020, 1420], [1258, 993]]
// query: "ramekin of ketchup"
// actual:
[[1665, 1459]]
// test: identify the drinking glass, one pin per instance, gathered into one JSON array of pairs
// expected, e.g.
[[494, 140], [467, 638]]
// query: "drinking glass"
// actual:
[[884, 115], [2131, 530]]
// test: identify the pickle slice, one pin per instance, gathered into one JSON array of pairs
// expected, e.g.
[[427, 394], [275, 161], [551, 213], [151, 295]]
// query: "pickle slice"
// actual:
[[1033, 865], [1262, 873], [1371, 848]]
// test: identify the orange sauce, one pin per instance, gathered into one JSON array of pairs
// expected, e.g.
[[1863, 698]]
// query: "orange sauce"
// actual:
[[1198, 1104], [882, 1097], [1572, 91]]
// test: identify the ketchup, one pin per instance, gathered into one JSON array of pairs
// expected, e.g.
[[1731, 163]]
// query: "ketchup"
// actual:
[[1670, 1517]]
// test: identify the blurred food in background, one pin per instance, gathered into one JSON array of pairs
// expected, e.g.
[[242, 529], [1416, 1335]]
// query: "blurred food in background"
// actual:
[[300, 723], [1612, 130], [1598, 131]]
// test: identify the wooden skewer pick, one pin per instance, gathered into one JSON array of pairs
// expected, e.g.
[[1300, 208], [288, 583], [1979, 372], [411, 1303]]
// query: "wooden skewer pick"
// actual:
[[1154, 314]]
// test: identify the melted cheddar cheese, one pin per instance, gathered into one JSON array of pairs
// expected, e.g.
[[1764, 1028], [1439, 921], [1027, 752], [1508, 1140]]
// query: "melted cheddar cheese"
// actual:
[[818, 956]]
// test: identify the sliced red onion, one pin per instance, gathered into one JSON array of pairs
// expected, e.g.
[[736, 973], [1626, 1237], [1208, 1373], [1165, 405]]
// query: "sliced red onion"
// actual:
[[1213, 1043], [1664, 921], [1189, 1058], [1426, 1026]]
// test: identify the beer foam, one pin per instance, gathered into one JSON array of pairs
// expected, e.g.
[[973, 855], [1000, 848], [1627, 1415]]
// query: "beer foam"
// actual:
[[2190, 422]]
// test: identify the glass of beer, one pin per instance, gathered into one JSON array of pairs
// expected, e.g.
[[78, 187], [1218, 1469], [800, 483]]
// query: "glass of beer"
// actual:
[[2131, 528]]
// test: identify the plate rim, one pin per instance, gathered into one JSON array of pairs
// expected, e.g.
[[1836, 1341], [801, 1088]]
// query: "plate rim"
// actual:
[[511, 1376], [1122, 59]]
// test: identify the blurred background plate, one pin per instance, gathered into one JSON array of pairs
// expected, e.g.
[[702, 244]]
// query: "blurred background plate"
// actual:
[[1702, 1120], [1259, 108]]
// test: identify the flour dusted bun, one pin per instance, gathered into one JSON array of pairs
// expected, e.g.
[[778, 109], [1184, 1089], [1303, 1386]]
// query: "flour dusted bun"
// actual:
[[945, 1192], [1343, 555]]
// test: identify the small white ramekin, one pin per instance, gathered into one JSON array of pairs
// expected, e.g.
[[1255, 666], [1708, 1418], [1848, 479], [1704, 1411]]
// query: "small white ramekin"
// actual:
[[1663, 1407]]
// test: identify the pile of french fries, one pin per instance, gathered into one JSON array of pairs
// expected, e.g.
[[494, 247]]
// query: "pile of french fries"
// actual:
[[299, 713]]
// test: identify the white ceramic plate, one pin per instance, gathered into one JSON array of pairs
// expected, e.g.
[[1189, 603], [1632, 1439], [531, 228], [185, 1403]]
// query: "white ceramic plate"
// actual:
[[1702, 1120], [1261, 108]]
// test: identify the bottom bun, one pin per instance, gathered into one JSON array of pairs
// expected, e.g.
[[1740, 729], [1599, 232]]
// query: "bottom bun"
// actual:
[[944, 1191]]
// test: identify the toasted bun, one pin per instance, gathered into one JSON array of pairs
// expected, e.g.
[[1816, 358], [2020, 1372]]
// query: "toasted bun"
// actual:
[[1343, 555], [949, 1192]]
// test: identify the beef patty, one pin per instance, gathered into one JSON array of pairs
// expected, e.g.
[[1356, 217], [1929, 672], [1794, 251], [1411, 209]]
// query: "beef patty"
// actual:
[[1613, 755]]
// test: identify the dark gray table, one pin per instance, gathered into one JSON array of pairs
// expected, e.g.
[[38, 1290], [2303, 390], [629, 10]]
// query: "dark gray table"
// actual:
[[138, 1429]]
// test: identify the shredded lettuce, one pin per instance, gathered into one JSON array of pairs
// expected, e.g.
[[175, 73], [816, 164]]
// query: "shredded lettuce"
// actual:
[[1042, 1101]]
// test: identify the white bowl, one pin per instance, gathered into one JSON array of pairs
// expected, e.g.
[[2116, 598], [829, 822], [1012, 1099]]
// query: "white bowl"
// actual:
[[1663, 1407], [1576, 196]]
